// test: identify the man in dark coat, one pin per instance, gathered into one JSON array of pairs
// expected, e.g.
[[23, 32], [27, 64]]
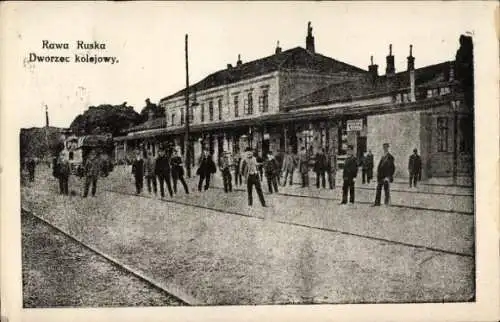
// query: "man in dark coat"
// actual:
[[349, 176], [272, 172], [63, 171], [225, 169], [178, 171], [320, 166], [304, 167], [206, 167], [91, 171], [138, 172], [162, 170], [385, 173], [414, 168], [331, 168], [368, 164]]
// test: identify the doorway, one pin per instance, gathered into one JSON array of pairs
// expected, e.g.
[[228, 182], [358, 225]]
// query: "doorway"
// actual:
[[361, 146]]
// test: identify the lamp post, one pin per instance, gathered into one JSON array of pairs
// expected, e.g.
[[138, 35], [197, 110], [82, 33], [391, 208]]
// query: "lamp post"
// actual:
[[455, 105]]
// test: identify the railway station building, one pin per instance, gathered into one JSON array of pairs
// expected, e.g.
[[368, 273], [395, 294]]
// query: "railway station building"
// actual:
[[299, 98]]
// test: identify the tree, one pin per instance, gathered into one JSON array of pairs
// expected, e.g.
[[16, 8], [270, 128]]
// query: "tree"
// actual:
[[151, 109], [105, 119]]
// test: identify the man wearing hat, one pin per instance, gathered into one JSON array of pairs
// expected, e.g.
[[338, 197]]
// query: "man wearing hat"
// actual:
[[414, 168], [92, 170], [385, 172], [251, 174], [349, 175], [225, 169]]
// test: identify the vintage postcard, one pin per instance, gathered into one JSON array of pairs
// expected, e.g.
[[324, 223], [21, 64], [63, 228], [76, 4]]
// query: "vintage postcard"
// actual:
[[227, 161]]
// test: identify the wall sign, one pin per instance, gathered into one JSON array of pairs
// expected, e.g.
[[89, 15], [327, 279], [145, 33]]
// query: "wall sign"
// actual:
[[354, 125]]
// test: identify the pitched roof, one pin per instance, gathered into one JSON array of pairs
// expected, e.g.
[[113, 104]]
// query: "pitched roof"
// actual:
[[295, 58], [349, 90], [149, 124]]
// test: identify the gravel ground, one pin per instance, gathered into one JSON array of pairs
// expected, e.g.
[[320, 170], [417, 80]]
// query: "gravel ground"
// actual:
[[57, 271], [220, 258]]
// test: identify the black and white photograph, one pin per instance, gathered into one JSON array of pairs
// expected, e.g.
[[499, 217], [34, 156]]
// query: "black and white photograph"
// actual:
[[250, 154]]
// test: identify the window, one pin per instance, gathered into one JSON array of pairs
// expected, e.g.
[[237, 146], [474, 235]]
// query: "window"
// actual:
[[444, 91], [202, 113], [236, 107], [173, 119], [405, 98], [182, 116], [219, 103], [249, 104], [211, 110], [191, 115], [442, 134], [466, 134], [264, 101], [429, 93]]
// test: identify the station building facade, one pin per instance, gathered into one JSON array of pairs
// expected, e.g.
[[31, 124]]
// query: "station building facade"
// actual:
[[299, 98]]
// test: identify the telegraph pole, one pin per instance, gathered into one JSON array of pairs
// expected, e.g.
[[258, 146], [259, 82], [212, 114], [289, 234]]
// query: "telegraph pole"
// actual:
[[47, 132], [187, 146]]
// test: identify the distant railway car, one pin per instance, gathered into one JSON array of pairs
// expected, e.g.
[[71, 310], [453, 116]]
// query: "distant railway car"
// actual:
[[77, 149]]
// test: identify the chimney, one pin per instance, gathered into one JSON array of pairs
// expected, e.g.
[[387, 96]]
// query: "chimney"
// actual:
[[451, 73], [373, 70], [278, 48], [390, 70], [310, 38], [411, 60], [238, 63], [229, 66]]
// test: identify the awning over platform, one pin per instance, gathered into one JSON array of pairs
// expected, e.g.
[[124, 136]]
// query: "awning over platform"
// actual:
[[296, 116]]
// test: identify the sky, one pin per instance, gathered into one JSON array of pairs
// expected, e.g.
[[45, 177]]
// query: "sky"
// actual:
[[148, 40]]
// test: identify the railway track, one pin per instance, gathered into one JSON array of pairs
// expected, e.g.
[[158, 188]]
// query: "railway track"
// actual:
[[168, 290], [228, 212]]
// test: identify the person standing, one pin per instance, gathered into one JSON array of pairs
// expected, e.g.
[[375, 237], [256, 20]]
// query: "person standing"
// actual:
[[251, 174], [260, 164], [149, 172], [162, 170], [385, 172], [271, 169], [331, 167], [288, 167], [349, 176], [225, 169], [63, 170], [415, 168], [206, 167], [178, 171], [138, 172], [237, 168], [368, 163], [31, 165], [304, 167], [91, 170], [320, 167]]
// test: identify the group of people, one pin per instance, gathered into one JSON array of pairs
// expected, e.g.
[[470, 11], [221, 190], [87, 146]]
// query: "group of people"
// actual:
[[163, 168], [167, 169], [92, 169]]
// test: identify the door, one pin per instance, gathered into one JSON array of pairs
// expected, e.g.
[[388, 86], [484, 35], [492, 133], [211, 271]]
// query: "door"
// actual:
[[361, 146]]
